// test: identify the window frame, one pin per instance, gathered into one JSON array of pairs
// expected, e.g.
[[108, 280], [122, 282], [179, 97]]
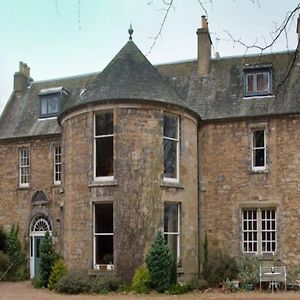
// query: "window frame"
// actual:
[[95, 234], [177, 140], [95, 137], [259, 231], [22, 166], [255, 148], [255, 72], [57, 164], [178, 232], [49, 97]]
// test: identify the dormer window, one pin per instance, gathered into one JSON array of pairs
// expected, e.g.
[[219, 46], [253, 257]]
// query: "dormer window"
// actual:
[[49, 105], [257, 81], [50, 101]]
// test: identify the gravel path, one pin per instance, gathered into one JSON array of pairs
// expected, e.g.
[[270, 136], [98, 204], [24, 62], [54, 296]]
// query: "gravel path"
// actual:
[[24, 291]]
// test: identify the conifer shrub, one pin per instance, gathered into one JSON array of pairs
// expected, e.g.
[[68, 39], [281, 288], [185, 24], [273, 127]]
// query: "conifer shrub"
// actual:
[[48, 257], [159, 263], [58, 270], [141, 280]]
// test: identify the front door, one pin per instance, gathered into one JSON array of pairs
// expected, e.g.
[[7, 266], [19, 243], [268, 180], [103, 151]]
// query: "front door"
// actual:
[[37, 254]]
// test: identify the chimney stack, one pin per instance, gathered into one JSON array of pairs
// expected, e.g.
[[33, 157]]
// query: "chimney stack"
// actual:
[[22, 78], [204, 47]]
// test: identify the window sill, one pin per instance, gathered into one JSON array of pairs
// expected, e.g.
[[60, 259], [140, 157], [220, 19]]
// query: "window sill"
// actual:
[[268, 96], [172, 184], [103, 183], [23, 187], [264, 171]]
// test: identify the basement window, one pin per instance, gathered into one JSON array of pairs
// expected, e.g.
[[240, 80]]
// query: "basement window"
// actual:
[[257, 81], [103, 146], [103, 234]]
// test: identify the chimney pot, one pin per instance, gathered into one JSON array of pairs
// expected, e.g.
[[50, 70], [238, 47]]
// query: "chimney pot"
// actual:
[[204, 48]]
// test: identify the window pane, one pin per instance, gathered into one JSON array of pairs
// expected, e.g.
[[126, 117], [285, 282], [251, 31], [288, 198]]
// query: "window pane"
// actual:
[[104, 247], [259, 157], [52, 104], [250, 83], [262, 82], [44, 108], [104, 218], [170, 126], [170, 159], [104, 156], [171, 241], [171, 217], [104, 124], [258, 138]]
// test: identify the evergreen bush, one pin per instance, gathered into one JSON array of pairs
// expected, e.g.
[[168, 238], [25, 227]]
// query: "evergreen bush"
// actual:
[[80, 282], [141, 280], [219, 267], [48, 257], [58, 270], [159, 263]]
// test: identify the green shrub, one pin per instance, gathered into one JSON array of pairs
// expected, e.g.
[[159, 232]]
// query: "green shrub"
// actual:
[[13, 246], [178, 289], [80, 282], [48, 257], [158, 263], [36, 282], [59, 269], [3, 239], [198, 284], [219, 267], [248, 269], [173, 270], [141, 280]]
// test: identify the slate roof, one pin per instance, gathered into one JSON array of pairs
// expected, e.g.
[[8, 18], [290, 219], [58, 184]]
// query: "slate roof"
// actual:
[[20, 117], [218, 95], [128, 76]]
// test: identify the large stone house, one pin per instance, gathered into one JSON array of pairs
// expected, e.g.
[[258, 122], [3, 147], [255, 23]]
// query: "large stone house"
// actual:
[[202, 147]]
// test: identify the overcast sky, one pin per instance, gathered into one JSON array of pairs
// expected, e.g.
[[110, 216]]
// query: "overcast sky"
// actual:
[[59, 38]]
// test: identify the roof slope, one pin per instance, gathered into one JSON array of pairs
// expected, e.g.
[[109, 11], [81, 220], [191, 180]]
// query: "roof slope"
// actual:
[[20, 117], [220, 94], [129, 76]]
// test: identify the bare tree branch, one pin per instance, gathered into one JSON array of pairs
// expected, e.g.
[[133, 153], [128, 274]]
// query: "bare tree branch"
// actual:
[[169, 5], [56, 8], [278, 32], [79, 15]]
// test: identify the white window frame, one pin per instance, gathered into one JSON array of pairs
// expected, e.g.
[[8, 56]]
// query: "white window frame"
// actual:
[[177, 233], [170, 179], [57, 165], [102, 178], [95, 234], [24, 166], [254, 149], [255, 73], [259, 231]]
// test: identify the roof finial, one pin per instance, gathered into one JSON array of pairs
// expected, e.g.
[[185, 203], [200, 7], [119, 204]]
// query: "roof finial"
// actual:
[[130, 31]]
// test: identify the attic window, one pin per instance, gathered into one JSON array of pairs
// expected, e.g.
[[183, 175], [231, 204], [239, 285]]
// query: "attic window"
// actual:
[[258, 81], [50, 101]]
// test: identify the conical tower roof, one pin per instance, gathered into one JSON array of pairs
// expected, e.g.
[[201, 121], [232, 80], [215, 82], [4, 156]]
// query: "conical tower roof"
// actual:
[[129, 76]]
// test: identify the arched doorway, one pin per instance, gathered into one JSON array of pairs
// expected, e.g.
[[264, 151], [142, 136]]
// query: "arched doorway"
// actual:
[[39, 225]]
